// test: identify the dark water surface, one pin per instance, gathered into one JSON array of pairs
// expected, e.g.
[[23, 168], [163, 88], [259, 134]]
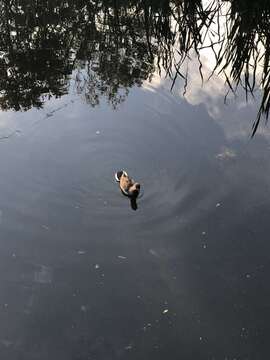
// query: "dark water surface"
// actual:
[[82, 275]]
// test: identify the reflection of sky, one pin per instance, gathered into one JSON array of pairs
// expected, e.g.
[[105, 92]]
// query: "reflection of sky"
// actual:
[[190, 241], [235, 116]]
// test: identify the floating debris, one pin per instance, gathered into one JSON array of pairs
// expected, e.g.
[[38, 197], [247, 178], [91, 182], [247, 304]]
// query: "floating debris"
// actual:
[[97, 132], [43, 274], [121, 257], [97, 266], [154, 253], [81, 252], [165, 311], [129, 347], [218, 204], [203, 233], [226, 154], [83, 308]]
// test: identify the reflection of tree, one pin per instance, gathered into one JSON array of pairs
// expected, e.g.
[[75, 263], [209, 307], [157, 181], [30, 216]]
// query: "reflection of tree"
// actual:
[[116, 52], [238, 33], [246, 49], [40, 44], [30, 77], [35, 65], [122, 42]]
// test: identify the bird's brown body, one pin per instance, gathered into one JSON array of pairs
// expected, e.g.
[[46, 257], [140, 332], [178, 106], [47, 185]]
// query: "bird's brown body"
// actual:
[[128, 186]]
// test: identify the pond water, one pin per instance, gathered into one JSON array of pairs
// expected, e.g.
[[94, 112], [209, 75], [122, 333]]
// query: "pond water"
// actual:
[[84, 276]]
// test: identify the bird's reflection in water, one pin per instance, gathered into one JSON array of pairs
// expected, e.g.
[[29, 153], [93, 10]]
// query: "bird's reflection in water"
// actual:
[[133, 203]]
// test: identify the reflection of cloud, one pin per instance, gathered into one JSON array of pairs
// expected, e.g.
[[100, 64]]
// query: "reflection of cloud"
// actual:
[[197, 92], [207, 92], [236, 116]]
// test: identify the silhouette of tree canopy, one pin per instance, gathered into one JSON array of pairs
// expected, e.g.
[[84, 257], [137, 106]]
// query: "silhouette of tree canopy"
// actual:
[[120, 43]]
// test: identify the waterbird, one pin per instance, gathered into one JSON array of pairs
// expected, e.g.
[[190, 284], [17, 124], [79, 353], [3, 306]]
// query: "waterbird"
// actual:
[[128, 186]]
